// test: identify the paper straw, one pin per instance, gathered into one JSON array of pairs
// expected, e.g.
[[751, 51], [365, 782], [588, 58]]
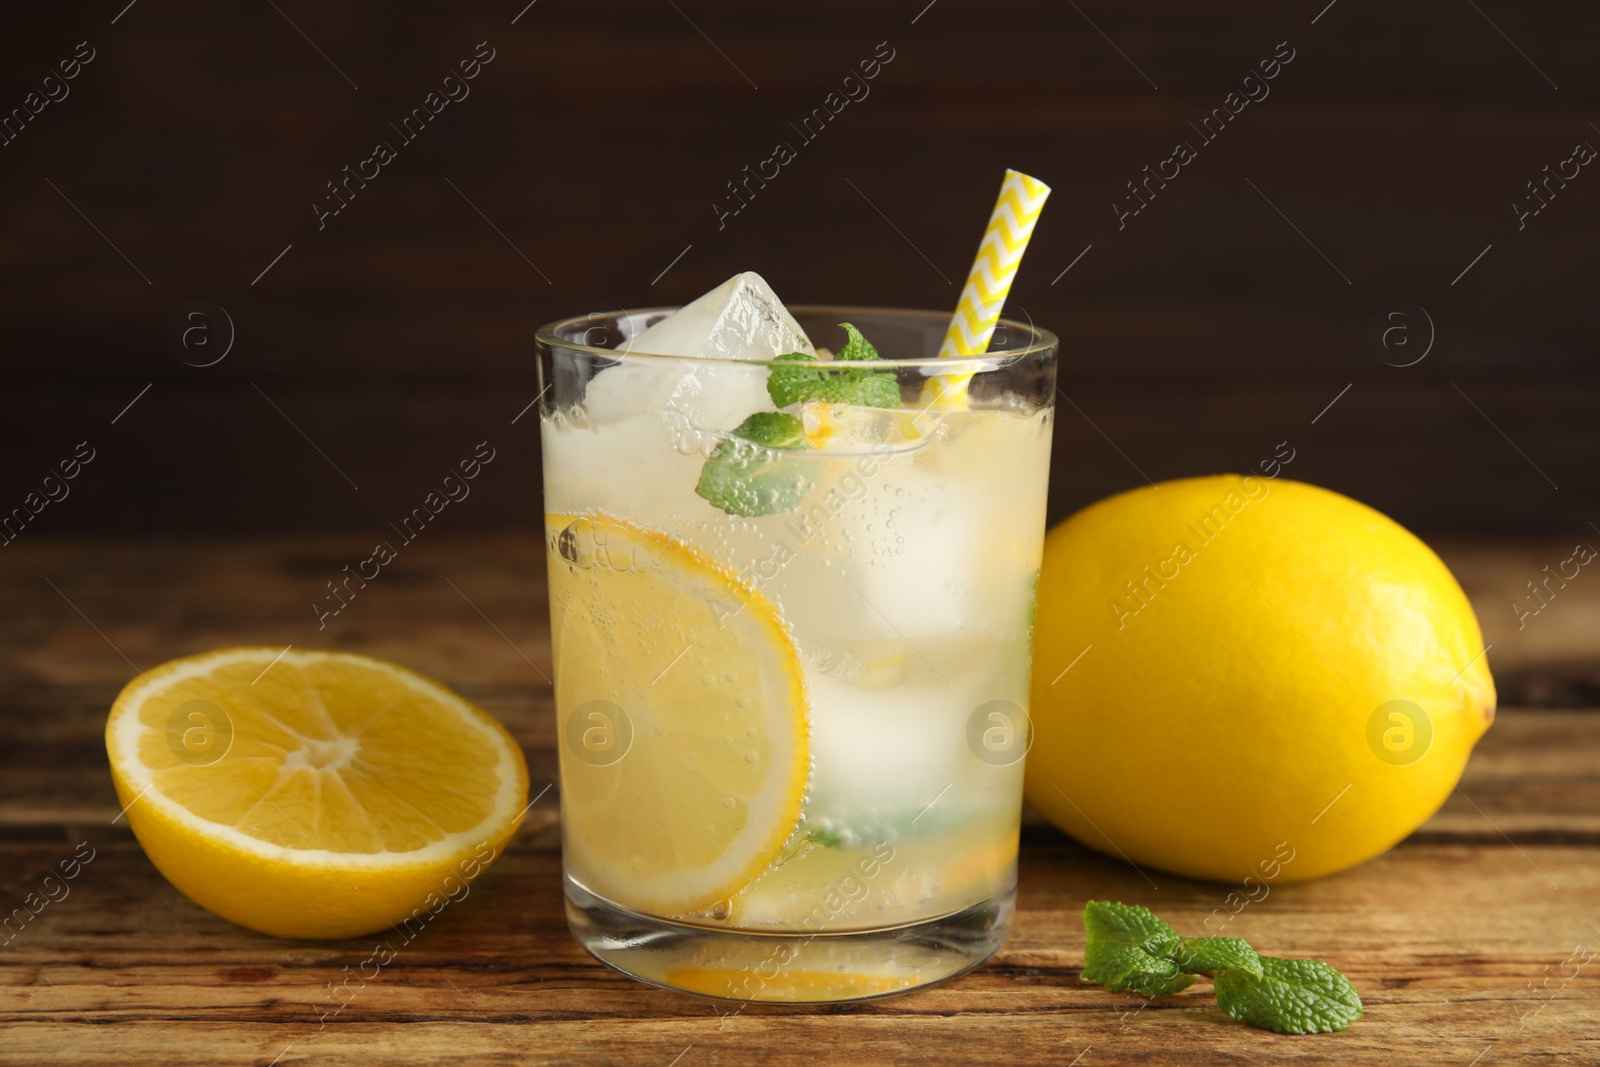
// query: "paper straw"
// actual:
[[999, 254]]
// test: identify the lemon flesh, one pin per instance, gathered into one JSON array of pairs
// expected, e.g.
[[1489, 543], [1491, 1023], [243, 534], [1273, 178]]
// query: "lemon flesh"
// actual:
[[682, 716], [312, 794], [1219, 662]]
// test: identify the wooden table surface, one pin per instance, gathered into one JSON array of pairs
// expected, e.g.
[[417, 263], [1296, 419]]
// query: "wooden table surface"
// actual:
[[1471, 943]]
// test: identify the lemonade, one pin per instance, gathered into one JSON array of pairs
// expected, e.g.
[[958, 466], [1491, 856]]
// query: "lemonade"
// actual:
[[792, 608]]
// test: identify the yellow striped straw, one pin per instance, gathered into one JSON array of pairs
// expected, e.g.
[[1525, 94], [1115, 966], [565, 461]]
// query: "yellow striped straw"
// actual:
[[999, 254]]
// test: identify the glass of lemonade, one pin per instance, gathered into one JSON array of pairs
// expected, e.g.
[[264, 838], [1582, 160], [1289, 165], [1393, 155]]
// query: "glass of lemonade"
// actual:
[[792, 608]]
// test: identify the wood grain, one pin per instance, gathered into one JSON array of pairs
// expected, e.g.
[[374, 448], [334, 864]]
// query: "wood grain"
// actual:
[[1458, 940], [395, 337]]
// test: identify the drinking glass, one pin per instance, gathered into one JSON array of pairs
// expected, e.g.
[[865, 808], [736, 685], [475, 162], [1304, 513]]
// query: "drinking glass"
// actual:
[[792, 735]]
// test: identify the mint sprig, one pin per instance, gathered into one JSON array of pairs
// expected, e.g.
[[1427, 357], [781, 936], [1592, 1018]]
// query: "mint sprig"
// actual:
[[810, 379], [1130, 948], [747, 475]]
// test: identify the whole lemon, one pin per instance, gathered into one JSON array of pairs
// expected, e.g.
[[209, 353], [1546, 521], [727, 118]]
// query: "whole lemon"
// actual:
[[1239, 676]]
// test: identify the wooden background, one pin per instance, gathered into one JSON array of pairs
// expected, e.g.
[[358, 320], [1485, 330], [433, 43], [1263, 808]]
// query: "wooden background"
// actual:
[[594, 145]]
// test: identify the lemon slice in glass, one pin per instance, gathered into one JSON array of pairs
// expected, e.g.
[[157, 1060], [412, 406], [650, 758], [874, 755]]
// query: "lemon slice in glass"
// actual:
[[682, 716]]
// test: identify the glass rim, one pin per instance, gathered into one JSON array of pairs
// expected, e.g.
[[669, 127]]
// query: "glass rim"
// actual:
[[1043, 341]]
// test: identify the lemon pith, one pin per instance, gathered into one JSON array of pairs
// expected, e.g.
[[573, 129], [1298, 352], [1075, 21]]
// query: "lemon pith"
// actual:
[[696, 668], [1238, 638], [342, 792]]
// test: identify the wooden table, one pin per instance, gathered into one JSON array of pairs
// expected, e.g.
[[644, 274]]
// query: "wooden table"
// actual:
[[1465, 942]]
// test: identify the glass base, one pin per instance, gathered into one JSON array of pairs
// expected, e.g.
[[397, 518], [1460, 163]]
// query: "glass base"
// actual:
[[807, 968]]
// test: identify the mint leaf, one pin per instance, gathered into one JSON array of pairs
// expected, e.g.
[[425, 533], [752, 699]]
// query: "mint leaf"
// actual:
[[1129, 948], [1290, 997], [793, 385], [857, 347], [828, 837], [772, 429], [1155, 984], [1117, 965], [812, 379], [1206, 954], [747, 474], [1105, 921]]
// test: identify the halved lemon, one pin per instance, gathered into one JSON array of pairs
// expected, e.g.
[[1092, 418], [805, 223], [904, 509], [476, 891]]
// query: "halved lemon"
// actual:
[[312, 794], [682, 715]]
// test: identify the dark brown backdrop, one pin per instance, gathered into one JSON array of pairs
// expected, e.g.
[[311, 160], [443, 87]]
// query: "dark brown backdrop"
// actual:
[[378, 350]]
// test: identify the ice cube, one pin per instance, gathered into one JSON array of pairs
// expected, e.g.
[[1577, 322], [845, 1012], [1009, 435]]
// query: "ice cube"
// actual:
[[853, 430], [741, 319], [891, 750]]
